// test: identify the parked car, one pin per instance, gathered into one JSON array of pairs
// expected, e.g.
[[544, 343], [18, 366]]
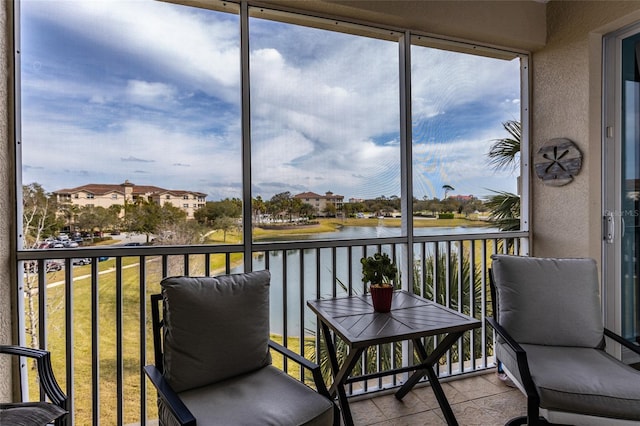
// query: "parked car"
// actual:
[[81, 261], [56, 244], [54, 265], [70, 244], [103, 258]]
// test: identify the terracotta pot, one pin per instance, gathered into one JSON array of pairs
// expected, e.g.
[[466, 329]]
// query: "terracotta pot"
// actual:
[[381, 297]]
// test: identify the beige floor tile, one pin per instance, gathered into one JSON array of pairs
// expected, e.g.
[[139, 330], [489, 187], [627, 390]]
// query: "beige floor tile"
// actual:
[[366, 412], [392, 408], [470, 414], [477, 387], [499, 404], [429, 418], [454, 396], [506, 405], [493, 378]]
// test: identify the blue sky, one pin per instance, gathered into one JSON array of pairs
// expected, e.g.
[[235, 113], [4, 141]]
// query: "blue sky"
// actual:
[[108, 96]]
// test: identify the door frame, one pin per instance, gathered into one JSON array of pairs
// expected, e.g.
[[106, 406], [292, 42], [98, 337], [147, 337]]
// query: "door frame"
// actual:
[[612, 186]]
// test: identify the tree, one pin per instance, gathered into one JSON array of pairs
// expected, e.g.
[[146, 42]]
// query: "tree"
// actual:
[[38, 219], [225, 224], [147, 217], [70, 213], [258, 207], [504, 152], [280, 204], [307, 210], [212, 210], [504, 207], [447, 188], [330, 209], [186, 232], [100, 218]]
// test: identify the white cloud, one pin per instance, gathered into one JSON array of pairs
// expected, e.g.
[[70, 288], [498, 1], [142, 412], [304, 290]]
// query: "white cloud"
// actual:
[[150, 94], [189, 45], [325, 109]]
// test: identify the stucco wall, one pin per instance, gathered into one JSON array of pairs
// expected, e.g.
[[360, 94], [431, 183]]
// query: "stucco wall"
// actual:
[[5, 206], [566, 102], [506, 23]]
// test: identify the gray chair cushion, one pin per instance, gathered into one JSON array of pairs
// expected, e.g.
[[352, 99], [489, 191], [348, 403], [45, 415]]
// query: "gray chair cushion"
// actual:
[[264, 397], [580, 380], [549, 301], [215, 327], [29, 413]]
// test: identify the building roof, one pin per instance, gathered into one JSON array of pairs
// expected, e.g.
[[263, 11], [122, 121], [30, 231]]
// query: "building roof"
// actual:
[[329, 195], [103, 189]]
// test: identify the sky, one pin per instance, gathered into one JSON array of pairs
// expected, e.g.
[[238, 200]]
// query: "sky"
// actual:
[[107, 96]]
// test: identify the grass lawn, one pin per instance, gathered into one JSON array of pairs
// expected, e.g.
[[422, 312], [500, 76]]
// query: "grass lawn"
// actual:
[[127, 297], [108, 344], [333, 224]]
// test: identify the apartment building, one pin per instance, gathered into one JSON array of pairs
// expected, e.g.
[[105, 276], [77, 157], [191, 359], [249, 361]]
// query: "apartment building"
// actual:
[[321, 202], [106, 195]]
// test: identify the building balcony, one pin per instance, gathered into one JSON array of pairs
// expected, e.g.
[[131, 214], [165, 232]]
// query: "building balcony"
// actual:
[[95, 318]]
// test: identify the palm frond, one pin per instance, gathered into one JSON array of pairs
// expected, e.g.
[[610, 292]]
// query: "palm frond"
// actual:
[[503, 152], [505, 210]]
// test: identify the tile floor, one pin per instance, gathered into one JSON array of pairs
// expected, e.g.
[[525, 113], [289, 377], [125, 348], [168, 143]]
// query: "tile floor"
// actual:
[[482, 400]]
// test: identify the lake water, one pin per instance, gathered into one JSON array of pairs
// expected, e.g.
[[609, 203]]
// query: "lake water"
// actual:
[[357, 232], [315, 287]]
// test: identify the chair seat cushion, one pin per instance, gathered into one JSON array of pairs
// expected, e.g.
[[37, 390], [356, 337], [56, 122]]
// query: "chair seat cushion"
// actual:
[[582, 380], [267, 396], [29, 413]]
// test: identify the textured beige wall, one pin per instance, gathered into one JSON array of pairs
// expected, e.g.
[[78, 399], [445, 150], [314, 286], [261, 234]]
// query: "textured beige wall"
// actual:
[[514, 24], [566, 102], [6, 207]]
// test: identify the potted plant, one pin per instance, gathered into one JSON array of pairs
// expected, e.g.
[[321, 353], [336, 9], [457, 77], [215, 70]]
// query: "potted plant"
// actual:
[[380, 271]]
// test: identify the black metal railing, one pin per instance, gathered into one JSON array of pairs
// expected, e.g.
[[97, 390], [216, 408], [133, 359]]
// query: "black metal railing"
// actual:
[[94, 316]]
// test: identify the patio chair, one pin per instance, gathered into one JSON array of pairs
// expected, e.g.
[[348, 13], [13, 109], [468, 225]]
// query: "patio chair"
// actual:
[[551, 341], [36, 413], [213, 359]]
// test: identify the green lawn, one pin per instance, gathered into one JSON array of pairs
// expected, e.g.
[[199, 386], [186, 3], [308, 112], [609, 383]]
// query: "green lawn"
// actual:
[[107, 330], [130, 292]]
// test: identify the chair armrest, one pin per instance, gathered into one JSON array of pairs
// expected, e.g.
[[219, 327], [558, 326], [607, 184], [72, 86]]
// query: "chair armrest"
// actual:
[[312, 366], [521, 358], [45, 371], [169, 397], [624, 342]]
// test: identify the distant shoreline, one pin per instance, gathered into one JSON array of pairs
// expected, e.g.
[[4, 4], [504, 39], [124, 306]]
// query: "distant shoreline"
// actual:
[[334, 224]]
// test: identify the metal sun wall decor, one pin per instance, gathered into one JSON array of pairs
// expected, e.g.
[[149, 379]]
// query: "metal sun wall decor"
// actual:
[[557, 162]]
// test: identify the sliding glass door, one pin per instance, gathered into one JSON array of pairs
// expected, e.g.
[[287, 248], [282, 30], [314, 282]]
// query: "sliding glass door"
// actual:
[[622, 184]]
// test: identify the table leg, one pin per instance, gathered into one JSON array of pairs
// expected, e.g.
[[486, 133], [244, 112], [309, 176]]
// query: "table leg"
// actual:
[[428, 361], [340, 374], [441, 397]]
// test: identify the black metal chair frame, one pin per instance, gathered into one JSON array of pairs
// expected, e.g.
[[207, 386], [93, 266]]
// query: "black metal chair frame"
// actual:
[[47, 379], [171, 398], [533, 417]]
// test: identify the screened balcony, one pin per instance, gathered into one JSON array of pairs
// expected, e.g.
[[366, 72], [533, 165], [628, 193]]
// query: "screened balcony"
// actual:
[[95, 318]]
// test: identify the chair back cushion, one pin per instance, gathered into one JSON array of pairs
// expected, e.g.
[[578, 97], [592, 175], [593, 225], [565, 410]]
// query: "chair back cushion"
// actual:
[[215, 327], [547, 301]]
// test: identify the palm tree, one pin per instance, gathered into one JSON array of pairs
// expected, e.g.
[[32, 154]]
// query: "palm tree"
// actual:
[[503, 152], [447, 188], [504, 206]]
